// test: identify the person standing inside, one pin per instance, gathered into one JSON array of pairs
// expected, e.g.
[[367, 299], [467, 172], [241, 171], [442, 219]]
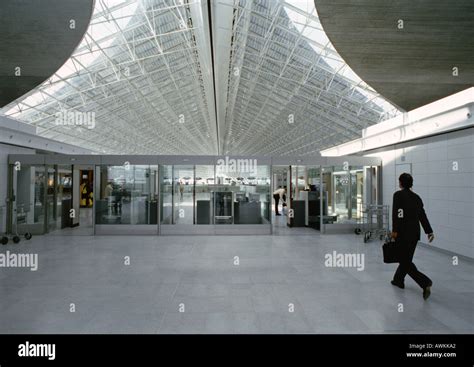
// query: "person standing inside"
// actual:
[[278, 194], [407, 214], [181, 190], [108, 194], [109, 189]]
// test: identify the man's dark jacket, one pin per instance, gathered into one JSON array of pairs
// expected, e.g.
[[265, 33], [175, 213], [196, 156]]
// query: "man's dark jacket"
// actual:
[[407, 214]]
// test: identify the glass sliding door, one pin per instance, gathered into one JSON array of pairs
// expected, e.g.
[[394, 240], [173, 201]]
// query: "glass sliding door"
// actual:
[[341, 181], [166, 194], [63, 189], [183, 194], [185, 200], [315, 208], [30, 214], [348, 191], [152, 194], [51, 197], [357, 192], [127, 196], [203, 188]]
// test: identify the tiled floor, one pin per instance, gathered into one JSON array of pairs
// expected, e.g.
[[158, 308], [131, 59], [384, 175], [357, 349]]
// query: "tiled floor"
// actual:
[[276, 274]]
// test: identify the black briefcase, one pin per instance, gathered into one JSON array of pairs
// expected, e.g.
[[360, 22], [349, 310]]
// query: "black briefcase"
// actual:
[[391, 251]]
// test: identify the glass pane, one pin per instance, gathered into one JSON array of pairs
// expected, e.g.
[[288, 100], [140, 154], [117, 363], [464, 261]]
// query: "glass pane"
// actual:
[[51, 198], [63, 196], [204, 185], [30, 199], [345, 193], [299, 180], [328, 189], [127, 195], [242, 193], [152, 195], [357, 192], [314, 197], [183, 194], [341, 194], [166, 188], [263, 190]]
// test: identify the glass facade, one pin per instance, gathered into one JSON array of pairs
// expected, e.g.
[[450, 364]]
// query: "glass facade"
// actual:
[[191, 198]]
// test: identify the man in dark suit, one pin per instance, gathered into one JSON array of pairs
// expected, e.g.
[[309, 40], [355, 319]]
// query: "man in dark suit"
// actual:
[[407, 214]]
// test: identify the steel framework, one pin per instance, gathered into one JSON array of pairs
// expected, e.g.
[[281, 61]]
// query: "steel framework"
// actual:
[[145, 72]]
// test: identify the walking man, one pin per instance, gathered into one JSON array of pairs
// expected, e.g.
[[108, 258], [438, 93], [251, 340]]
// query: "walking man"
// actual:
[[407, 214]]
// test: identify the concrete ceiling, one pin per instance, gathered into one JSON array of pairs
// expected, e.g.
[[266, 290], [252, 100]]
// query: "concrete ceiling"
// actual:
[[411, 66], [38, 37]]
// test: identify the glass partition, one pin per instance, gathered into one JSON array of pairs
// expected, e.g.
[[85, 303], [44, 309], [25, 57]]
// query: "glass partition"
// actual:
[[31, 199], [51, 194], [127, 195], [341, 194], [206, 194], [166, 191], [183, 194], [242, 193], [357, 192], [346, 191], [63, 196], [205, 197], [204, 187]]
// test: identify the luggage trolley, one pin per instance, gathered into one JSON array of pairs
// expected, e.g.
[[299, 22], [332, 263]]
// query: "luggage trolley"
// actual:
[[14, 235], [3, 230], [374, 222]]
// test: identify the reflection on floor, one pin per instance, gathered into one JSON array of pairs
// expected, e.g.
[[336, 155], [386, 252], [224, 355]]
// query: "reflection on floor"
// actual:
[[197, 275], [184, 208], [280, 227], [85, 227]]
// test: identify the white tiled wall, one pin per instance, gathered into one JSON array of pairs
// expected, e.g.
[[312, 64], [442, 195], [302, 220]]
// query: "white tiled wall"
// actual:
[[448, 195]]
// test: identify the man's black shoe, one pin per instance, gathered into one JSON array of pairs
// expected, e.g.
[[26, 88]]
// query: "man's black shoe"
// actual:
[[427, 291], [399, 285], [277, 214]]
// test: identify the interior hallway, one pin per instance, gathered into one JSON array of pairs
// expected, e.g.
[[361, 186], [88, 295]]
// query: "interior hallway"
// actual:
[[220, 297]]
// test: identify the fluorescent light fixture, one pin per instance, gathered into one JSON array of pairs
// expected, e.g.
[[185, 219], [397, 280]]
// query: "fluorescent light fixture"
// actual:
[[449, 113]]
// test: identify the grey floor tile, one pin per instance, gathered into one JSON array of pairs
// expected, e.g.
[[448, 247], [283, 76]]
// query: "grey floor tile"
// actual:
[[254, 297]]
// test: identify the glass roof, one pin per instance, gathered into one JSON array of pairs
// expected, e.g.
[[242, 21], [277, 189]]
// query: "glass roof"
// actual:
[[143, 71]]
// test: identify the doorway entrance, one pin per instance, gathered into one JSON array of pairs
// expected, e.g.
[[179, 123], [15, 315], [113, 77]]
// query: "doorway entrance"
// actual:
[[70, 200], [300, 205]]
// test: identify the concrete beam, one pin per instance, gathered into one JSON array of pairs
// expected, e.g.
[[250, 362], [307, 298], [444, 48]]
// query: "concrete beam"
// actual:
[[37, 38], [17, 133], [413, 65]]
